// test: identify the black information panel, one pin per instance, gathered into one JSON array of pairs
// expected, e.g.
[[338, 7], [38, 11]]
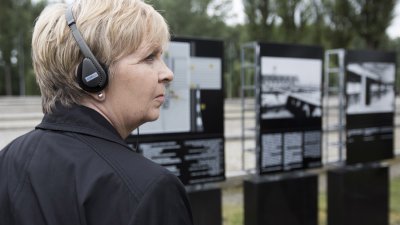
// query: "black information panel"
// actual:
[[358, 195], [370, 94], [290, 84], [188, 137], [290, 200]]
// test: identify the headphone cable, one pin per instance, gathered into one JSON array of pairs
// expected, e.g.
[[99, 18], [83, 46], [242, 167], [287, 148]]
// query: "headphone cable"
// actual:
[[137, 140]]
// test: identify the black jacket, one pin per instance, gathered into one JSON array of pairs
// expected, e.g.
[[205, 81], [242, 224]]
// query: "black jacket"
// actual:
[[74, 169]]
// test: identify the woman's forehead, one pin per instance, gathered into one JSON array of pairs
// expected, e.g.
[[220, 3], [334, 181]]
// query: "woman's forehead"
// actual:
[[144, 51], [146, 48]]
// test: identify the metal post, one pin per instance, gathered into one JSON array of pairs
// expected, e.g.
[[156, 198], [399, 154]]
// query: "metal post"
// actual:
[[246, 88], [242, 96], [326, 106], [337, 70], [257, 104], [341, 106]]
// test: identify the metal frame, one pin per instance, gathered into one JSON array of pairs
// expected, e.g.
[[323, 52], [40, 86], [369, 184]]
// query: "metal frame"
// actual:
[[249, 86], [338, 71]]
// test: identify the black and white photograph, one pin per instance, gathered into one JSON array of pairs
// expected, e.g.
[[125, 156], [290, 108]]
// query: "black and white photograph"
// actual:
[[370, 87], [290, 87]]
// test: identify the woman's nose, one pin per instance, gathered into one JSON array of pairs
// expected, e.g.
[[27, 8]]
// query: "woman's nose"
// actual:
[[166, 74]]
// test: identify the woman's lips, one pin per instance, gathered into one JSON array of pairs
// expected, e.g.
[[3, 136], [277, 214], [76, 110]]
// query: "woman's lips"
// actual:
[[160, 98]]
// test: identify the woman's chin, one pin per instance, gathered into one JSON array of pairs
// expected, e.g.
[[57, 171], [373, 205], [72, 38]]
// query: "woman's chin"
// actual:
[[153, 116]]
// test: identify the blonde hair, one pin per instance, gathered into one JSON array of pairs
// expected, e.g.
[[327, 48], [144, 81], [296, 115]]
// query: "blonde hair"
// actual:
[[111, 28]]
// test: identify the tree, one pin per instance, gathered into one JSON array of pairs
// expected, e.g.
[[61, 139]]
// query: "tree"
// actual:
[[339, 20], [7, 33], [373, 17], [317, 28], [260, 19], [358, 23], [200, 18], [16, 17], [293, 20]]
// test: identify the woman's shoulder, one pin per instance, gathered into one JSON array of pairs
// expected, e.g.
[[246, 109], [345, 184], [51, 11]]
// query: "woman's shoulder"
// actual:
[[136, 172]]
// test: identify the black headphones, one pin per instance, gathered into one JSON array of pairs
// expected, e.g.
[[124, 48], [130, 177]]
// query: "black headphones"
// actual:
[[92, 76]]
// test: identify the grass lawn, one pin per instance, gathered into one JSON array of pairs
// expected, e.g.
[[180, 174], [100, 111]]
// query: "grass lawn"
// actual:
[[232, 205], [395, 201]]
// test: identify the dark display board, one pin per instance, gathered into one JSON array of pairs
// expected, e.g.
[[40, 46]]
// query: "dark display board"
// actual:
[[358, 195], [290, 84], [206, 206], [188, 137], [370, 95], [281, 201]]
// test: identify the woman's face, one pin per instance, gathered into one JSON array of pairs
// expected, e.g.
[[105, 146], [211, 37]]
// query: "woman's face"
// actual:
[[137, 89]]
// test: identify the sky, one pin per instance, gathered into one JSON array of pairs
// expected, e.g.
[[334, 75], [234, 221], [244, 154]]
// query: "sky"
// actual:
[[237, 13], [394, 30]]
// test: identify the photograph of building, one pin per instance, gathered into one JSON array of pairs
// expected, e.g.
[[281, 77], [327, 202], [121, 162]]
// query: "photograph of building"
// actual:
[[370, 87], [290, 87]]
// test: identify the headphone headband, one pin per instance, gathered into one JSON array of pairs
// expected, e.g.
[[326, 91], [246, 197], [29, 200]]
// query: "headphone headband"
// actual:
[[89, 81]]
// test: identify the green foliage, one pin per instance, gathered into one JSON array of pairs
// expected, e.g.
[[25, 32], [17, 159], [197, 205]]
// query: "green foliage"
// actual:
[[290, 30], [339, 22], [260, 20], [330, 23], [372, 20], [191, 18], [16, 18], [394, 45]]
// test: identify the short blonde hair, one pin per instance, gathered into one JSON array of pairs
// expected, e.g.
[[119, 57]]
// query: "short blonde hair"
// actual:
[[111, 28]]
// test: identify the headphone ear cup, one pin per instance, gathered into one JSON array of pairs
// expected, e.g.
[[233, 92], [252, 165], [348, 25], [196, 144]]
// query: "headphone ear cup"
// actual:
[[79, 75], [90, 78]]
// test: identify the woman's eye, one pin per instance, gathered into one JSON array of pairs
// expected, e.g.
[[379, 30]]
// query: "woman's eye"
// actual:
[[150, 58]]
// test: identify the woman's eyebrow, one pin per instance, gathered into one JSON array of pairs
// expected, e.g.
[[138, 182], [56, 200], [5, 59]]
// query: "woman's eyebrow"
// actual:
[[157, 49], [151, 50]]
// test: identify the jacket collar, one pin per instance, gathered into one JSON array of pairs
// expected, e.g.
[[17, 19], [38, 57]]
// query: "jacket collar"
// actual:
[[80, 119]]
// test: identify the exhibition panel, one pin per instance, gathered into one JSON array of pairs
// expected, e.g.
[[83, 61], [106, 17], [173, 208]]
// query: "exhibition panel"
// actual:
[[370, 95], [290, 200], [188, 138], [290, 107], [358, 195]]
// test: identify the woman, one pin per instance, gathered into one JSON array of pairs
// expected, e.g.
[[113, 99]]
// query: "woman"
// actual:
[[75, 167]]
